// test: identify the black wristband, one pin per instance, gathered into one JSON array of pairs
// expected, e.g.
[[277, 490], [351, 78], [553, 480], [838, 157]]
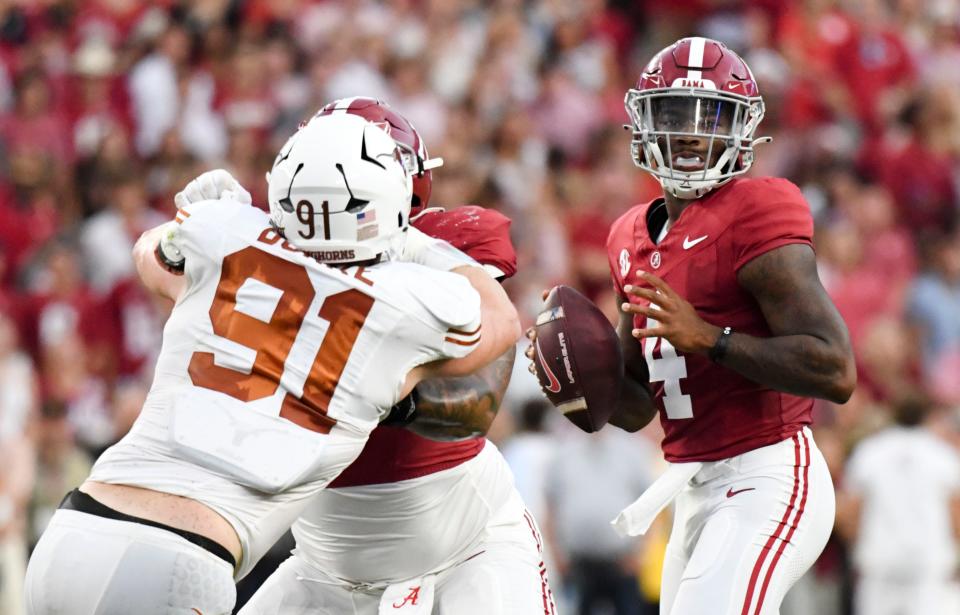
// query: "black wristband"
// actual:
[[403, 412], [720, 347], [166, 263]]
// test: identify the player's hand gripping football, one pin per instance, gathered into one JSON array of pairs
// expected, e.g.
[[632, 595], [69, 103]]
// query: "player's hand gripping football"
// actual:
[[212, 185], [531, 334], [676, 319]]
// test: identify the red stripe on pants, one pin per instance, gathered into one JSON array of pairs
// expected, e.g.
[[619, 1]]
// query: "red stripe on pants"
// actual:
[[793, 528], [773, 537], [548, 606]]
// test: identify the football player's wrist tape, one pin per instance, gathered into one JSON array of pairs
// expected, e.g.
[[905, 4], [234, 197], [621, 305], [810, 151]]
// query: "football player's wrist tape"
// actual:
[[168, 250], [428, 251], [403, 412]]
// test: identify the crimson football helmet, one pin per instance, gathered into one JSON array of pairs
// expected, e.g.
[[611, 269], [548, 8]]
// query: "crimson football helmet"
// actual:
[[412, 148], [693, 113]]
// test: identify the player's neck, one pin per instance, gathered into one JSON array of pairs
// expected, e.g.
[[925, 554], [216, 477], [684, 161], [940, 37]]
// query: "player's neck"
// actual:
[[676, 206]]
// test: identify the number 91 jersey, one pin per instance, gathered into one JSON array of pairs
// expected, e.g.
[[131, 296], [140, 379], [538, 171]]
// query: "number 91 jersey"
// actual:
[[275, 368], [710, 412]]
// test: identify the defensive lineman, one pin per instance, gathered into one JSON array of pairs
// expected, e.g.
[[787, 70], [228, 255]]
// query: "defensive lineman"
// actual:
[[380, 536], [273, 371]]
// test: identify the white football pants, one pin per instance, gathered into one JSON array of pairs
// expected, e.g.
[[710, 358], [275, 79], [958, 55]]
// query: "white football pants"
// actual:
[[90, 565], [504, 576], [746, 528]]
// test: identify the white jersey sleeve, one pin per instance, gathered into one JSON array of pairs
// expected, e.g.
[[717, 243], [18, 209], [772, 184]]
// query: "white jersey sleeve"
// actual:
[[202, 230], [454, 307]]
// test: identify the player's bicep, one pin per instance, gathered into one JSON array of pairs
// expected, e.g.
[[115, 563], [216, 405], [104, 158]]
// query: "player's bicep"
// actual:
[[785, 284]]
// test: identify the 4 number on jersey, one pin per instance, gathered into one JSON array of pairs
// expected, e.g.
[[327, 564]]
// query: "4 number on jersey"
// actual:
[[669, 369]]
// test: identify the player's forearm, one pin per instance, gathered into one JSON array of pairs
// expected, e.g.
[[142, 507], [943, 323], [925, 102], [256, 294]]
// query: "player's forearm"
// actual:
[[636, 408], [463, 407], [799, 364], [143, 250]]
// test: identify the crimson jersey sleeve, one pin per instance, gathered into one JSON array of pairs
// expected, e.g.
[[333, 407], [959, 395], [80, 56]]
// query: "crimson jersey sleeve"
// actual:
[[484, 234], [773, 213]]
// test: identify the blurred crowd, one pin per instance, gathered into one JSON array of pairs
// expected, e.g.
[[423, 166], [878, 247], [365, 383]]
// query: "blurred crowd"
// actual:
[[109, 107]]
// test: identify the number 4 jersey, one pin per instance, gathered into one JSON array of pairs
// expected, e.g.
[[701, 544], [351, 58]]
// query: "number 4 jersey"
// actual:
[[275, 368], [709, 412]]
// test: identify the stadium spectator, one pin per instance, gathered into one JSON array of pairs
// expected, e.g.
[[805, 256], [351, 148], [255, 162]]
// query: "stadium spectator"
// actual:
[[18, 400], [901, 508], [594, 478]]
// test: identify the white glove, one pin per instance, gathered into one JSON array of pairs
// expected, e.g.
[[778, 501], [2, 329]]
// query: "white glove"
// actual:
[[431, 252], [211, 185]]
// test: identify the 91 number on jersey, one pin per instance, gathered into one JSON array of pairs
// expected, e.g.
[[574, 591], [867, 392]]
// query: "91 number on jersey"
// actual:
[[272, 336]]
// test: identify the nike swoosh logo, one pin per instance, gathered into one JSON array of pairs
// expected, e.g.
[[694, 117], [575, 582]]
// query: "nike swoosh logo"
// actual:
[[731, 492], [689, 243], [554, 382]]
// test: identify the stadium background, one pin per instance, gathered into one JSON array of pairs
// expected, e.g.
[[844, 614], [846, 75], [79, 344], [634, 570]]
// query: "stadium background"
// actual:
[[108, 107]]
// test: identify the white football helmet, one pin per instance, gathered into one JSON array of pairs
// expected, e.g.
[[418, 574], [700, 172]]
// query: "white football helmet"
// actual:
[[339, 190]]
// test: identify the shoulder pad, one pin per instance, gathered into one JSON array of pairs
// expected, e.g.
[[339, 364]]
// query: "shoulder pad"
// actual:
[[484, 234]]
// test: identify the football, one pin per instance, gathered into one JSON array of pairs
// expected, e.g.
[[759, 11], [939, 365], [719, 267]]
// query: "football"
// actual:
[[579, 362]]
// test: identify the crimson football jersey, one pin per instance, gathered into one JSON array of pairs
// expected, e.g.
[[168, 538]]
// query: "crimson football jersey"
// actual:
[[393, 454], [709, 412]]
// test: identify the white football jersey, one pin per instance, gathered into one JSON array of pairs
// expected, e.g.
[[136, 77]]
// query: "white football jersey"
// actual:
[[274, 369]]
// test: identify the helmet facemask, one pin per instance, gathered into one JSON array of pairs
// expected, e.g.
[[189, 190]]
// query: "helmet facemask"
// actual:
[[663, 119]]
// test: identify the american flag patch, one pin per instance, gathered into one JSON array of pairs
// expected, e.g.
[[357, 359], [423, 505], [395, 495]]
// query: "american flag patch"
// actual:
[[367, 216]]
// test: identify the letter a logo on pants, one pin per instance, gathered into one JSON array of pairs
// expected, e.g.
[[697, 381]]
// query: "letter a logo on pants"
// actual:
[[411, 598]]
